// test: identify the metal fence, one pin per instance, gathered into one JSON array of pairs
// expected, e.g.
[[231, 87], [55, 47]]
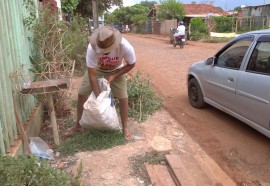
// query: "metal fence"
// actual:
[[14, 50], [240, 24], [243, 24]]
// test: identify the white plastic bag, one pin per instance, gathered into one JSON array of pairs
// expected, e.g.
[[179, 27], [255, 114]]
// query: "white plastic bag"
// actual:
[[100, 112]]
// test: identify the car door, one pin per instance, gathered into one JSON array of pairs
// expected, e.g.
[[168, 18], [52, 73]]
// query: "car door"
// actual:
[[221, 78], [253, 86]]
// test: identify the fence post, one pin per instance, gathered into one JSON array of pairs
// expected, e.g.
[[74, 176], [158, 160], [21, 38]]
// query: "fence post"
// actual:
[[236, 24], [250, 24]]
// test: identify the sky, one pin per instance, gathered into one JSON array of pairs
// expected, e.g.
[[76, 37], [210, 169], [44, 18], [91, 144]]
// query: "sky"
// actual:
[[224, 4]]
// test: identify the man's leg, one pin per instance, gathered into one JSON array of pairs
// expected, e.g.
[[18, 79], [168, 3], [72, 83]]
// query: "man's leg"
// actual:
[[77, 127], [84, 89], [123, 106], [81, 100]]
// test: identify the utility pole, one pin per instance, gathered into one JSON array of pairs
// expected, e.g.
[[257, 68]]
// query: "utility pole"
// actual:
[[95, 13]]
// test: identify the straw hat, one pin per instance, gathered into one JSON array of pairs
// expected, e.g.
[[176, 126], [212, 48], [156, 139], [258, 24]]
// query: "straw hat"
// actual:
[[105, 39]]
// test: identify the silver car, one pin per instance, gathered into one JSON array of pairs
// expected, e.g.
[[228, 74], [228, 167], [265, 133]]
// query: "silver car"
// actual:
[[236, 80]]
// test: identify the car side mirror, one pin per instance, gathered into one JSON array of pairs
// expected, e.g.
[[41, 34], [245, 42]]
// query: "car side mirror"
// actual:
[[209, 61]]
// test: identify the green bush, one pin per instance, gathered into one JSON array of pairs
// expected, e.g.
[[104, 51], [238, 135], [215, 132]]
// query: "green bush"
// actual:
[[223, 24], [75, 40], [61, 41], [22, 170], [198, 29], [195, 36], [143, 101]]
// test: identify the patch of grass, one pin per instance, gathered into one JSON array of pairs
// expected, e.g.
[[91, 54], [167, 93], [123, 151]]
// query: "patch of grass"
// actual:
[[143, 100], [216, 40], [91, 139], [69, 122], [74, 103], [138, 164]]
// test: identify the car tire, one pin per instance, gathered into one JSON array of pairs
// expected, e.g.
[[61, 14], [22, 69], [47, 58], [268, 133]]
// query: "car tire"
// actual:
[[195, 95]]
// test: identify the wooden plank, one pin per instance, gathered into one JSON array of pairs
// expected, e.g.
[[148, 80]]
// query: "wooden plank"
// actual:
[[196, 170], [159, 175], [187, 172], [22, 131], [46, 86], [213, 171]]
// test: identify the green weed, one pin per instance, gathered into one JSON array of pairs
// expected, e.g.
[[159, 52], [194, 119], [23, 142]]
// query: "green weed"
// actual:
[[143, 100], [23, 170]]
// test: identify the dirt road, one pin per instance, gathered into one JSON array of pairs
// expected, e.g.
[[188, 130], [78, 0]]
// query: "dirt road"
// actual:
[[179, 129], [240, 151]]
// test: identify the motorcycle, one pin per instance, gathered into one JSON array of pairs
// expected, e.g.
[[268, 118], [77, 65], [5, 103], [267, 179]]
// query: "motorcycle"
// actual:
[[179, 40]]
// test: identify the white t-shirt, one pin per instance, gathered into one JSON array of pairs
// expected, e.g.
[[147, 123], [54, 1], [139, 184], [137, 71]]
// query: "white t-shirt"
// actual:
[[181, 29], [114, 60]]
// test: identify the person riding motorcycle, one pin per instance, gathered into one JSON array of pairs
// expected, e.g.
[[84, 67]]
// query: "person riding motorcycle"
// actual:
[[181, 30]]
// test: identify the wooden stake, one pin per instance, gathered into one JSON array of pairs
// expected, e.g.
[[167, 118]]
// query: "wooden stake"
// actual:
[[53, 119], [20, 125]]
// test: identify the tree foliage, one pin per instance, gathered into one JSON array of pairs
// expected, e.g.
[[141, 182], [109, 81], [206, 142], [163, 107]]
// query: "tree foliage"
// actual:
[[84, 8], [170, 9], [125, 15], [69, 6], [237, 8], [148, 4]]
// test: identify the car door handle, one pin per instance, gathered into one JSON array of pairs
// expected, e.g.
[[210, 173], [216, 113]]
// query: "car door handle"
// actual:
[[230, 79]]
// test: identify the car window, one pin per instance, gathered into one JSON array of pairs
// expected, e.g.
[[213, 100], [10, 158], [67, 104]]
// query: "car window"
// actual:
[[260, 59], [233, 56]]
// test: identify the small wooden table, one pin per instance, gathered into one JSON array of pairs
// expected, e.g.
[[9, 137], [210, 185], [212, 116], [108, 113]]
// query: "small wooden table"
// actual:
[[49, 87]]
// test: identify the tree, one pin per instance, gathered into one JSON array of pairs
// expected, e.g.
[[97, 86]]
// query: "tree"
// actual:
[[123, 16], [148, 4], [84, 7], [170, 9], [69, 6], [237, 8], [219, 8]]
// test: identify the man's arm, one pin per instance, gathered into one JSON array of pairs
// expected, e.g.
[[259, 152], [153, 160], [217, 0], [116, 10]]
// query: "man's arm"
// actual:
[[125, 69], [93, 81]]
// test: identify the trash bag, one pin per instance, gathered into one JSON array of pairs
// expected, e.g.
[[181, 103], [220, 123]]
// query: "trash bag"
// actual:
[[100, 112], [39, 148]]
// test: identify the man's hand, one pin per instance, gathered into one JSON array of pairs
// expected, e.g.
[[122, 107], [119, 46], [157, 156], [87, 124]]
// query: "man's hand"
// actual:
[[110, 78]]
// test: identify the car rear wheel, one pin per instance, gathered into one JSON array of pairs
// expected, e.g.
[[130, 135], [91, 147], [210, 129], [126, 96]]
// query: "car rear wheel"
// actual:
[[195, 94]]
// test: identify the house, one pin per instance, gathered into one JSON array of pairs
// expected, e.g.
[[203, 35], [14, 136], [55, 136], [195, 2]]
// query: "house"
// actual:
[[202, 11], [191, 11], [254, 16]]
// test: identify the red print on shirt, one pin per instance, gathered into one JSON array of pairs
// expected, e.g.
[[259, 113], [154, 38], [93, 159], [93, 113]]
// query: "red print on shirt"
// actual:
[[108, 63]]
